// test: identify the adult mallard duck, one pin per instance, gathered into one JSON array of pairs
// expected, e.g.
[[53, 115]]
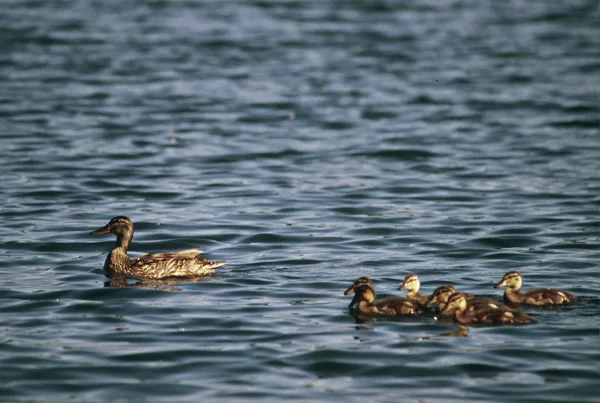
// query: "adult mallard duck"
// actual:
[[458, 306], [186, 263], [365, 299], [412, 284], [539, 296]]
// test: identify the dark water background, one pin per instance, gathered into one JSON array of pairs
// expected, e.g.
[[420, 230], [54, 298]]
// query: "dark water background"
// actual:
[[308, 143]]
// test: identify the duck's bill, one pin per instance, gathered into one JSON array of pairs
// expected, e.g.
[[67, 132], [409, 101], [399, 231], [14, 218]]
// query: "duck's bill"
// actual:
[[101, 231], [349, 290], [500, 284], [402, 287]]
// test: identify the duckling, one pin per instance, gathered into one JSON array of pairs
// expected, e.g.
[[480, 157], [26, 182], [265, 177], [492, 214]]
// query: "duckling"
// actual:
[[365, 299], [441, 295], [358, 282], [457, 305], [539, 296], [186, 263], [412, 284], [479, 303]]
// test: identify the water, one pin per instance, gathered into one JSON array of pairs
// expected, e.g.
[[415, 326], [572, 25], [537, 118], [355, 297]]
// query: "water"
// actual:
[[308, 143]]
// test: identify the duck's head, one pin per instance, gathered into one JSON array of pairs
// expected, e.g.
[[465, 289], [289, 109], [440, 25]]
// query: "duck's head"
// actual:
[[440, 295], [411, 283], [456, 303], [364, 292], [120, 226], [357, 283], [512, 280]]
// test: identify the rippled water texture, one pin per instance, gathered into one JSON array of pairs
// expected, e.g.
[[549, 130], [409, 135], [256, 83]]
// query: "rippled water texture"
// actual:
[[308, 143]]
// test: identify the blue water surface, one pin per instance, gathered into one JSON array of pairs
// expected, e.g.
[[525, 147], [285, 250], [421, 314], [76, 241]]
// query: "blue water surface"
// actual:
[[307, 143]]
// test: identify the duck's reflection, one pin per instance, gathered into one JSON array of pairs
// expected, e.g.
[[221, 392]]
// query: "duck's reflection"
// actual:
[[461, 331], [165, 284], [363, 320]]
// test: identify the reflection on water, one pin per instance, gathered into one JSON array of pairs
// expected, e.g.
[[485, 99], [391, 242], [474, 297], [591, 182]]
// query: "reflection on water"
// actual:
[[165, 284], [461, 331]]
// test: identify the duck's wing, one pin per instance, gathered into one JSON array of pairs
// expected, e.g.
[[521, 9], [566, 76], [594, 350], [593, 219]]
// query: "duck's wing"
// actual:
[[547, 296], [173, 264], [397, 306], [184, 254], [181, 255], [477, 303], [496, 316], [502, 316]]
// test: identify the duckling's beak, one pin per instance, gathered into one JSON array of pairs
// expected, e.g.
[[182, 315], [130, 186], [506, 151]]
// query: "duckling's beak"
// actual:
[[402, 286], [501, 284], [101, 231], [349, 290], [354, 301]]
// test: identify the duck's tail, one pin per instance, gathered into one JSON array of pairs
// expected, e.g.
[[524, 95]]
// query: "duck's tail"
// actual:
[[209, 265]]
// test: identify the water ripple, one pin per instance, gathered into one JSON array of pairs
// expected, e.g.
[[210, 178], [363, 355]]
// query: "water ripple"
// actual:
[[307, 144]]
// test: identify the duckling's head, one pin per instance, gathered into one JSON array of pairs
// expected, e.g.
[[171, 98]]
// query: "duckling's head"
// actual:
[[440, 295], [366, 293], [512, 280], [456, 303], [120, 226], [411, 283], [358, 282]]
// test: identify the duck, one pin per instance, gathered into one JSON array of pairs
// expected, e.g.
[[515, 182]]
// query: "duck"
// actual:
[[351, 290], [412, 284], [186, 263], [365, 299], [458, 306], [513, 281], [441, 295]]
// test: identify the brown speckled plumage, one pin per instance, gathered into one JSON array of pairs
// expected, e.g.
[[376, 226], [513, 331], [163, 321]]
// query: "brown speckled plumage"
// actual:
[[187, 263]]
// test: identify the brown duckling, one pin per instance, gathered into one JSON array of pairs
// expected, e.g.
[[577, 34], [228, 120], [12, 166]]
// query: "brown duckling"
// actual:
[[458, 305], [539, 296], [441, 295], [365, 299], [412, 284], [478, 303], [358, 282], [187, 263]]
